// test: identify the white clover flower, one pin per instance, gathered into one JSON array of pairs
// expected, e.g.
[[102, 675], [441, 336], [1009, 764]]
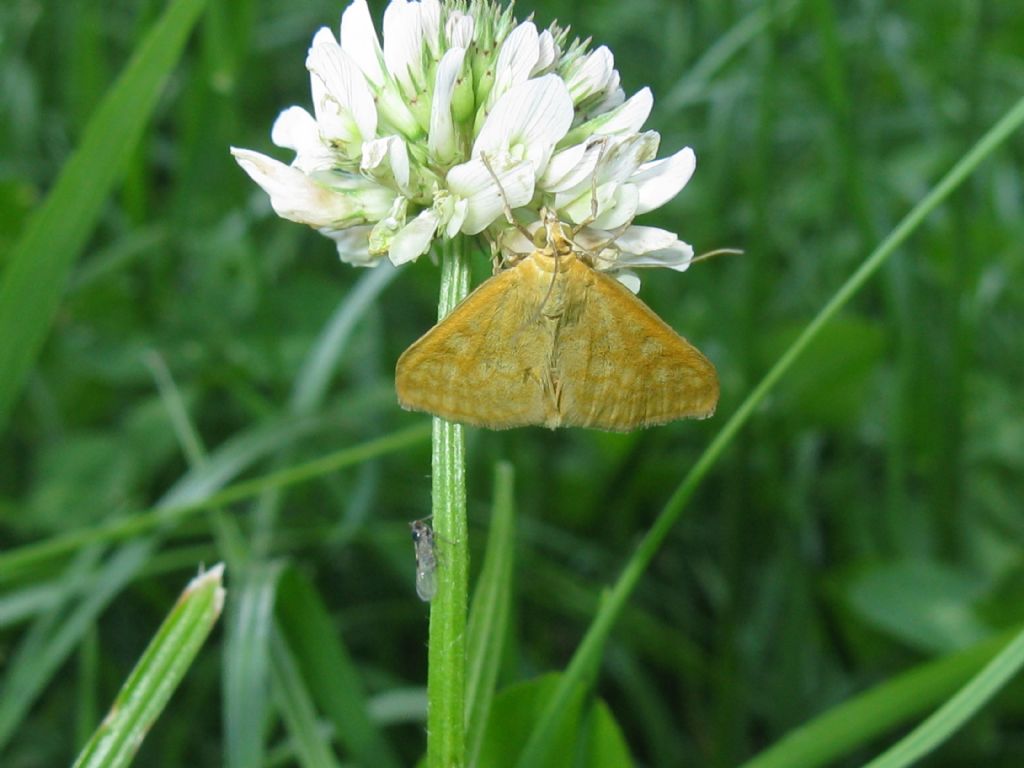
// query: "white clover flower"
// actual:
[[460, 114]]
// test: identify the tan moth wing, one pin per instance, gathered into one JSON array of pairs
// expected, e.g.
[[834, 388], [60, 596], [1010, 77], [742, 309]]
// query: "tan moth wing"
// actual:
[[618, 366], [555, 343], [487, 362]]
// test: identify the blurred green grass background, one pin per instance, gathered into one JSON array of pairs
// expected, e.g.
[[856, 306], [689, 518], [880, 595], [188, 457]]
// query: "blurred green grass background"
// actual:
[[868, 519]]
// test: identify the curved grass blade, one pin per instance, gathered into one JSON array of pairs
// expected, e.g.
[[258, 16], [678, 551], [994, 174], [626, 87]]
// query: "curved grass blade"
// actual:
[[589, 652], [322, 361], [39, 263], [157, 674], [948, 719], [857, 721]]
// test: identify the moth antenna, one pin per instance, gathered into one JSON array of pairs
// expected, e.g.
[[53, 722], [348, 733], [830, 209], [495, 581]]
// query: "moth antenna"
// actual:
[[504, 198], [551, 285], [717, 252]]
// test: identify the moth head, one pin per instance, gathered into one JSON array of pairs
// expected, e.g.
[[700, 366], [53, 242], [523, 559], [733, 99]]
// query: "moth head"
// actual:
[[551, 234]]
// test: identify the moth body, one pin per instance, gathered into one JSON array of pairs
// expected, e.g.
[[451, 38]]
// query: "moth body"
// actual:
[[553, 342]]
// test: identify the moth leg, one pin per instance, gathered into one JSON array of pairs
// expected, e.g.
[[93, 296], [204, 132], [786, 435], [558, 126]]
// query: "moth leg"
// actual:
[[502, 260], [593, 193], [506, 207]]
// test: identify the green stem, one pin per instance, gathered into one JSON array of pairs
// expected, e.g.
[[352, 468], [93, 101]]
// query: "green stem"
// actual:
[[446, 688]]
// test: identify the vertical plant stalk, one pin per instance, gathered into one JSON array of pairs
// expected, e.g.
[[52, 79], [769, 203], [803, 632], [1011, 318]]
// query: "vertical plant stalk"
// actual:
[[446, 673]]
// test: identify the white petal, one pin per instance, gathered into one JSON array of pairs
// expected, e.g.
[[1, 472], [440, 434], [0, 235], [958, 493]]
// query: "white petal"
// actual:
[[527, 122], [384, 231], [677, 255], [591, 75], [620, 209], [622, 158], [485, 199], [614, 96], [516, 59], [514, 243], [345, 98], [459, 30], [430, 21], [571, 166], [629, 279], [629, 117], [548, 52], [638, 239], [441, 143], [389, 158], [293, 195], [296, 129], [458, 218], [597, 242], [359, 41], [413, 240], [616, 162], [352, 244], [578, 203], [403, 44], [662, 180], [616, 205]]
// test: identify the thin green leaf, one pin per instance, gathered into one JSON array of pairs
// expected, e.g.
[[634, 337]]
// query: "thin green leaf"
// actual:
[[948, 719], [329, 671], [247, 663], [54, 636], [191, 501], [489, 612], [161, 668], [856, 722], [322, 361], [514, 716], [297, 709], [38, 269]]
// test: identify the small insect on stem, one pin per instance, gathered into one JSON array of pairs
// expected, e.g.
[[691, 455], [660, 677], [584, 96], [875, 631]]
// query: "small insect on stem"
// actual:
[[426, 559]]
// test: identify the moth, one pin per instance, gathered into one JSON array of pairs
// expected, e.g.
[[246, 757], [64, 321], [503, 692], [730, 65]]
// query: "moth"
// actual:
[[551, 341], [426, 559]]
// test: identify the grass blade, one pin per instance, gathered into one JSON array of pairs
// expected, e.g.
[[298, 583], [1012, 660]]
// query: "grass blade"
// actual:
[[42, 257], [859, 720], [193, 502], [297, 709], [157, 674], [489, 612], [247, 664], [958, 710], [329, 671], [39, 657]]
